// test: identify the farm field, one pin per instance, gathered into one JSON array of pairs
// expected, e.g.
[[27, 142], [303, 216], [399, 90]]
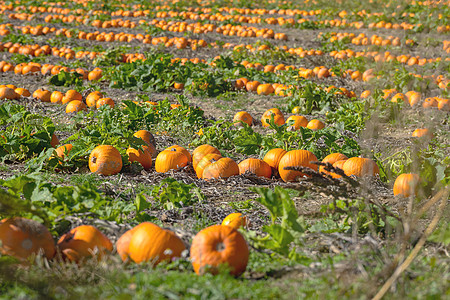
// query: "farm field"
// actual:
[[224, 149]]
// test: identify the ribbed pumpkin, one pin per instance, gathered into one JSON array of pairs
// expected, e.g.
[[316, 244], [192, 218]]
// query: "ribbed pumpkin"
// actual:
[[332, 158], [206, 161], [149, 242], [242, 116], [170, 160], [278, 117], [92, 98], [83, 242], [75, 106], [360, 167], [255, 166], [105, 160], [219, 246], [406, 185], [22, 238], [273, 157], [201, 151], [339, 165], [222, 168], [297, 122], [144, 156], [8, 93], [235, 220], [296, 158], [422, 132], [123, 243], [182, 150]]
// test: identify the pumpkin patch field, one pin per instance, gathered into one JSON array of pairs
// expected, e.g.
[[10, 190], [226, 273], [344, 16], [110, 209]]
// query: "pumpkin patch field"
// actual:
[[225, 149]]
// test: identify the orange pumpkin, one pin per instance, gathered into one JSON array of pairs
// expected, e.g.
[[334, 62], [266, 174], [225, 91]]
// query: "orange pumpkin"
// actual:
[[8, 93], [83, 242], [149, 242], [105, 160], [61, 151], [422, 132], [42, 95], [296, 158], [145, 135], [222, 168], [273, 157], [315, 124], [201, 151], [265, 89], [242, 116], [360, 167], [297, 122], [217, 246], [182, 150], [277, 117], [123, 244], [332, 158], [22, 238], [144, 156], [170, 160], [91, 99], [406, 185], [235, 220], [255, 166], [206, 161], [71, 95], [104, 101], [75, 106], [338, 165], [56, 97]]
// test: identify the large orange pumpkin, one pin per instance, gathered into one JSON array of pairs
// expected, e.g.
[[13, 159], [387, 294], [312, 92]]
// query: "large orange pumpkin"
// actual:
[[297, 122], [255, 166], [206, 161], [273, 157], [406, 185], [83, 242], [296, 158], [105, 160], [338, 165], [331, 159], [22, 238], [217, 246], [145, 135], [149, 242], [242, 116], [170, 160], [182, 150], [222, 168], [201, 151], [360, 167]]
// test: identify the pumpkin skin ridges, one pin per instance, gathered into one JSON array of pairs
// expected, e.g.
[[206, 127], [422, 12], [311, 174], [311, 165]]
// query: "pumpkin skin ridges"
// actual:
[[105, 160], [360, 167], [149, 242], [201, 151], [145, 135], [332, 158], [223, 168], [182, 150], [82, 241], [22, 238], [206, 161], [170, 160], [205, 255], [339, 164], [406, 185], [255, 166], [273, 157], [296, 158]]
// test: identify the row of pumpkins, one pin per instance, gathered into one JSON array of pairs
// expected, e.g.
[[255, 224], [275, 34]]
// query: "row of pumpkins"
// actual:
[[208, 162], [211, 248]]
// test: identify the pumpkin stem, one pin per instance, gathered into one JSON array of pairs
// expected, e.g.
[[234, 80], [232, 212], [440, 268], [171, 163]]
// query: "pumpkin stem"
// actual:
[[220, 247], [94, 159]]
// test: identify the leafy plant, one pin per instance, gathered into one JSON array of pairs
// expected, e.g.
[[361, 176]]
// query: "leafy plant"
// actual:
[[174, 194]]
